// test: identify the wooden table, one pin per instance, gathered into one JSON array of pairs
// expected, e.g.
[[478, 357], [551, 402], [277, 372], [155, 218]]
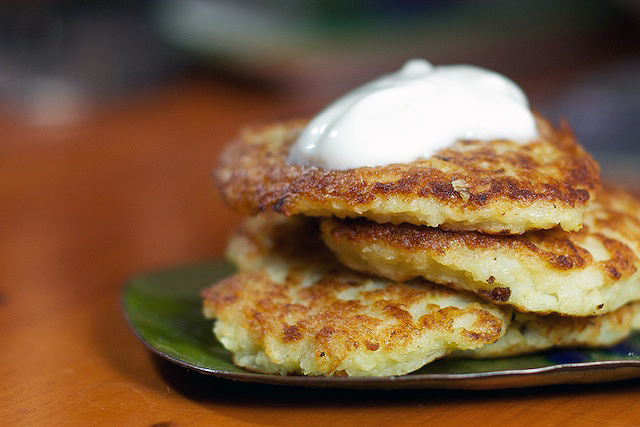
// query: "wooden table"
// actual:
[[126, 189]]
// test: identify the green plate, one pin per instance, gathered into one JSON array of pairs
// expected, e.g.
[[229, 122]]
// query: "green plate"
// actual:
[[163, 309]]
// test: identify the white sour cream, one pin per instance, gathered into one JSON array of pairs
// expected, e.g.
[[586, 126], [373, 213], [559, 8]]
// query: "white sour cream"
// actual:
[[412, 113]]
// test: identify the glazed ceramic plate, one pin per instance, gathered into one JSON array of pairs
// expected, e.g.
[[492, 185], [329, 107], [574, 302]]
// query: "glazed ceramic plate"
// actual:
[[163, 309]]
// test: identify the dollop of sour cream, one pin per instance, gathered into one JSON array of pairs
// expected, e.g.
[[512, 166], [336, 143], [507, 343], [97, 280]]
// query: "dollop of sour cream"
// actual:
[[412, 113]]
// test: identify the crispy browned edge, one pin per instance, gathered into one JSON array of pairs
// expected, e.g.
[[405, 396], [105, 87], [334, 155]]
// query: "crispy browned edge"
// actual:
[[253, 174]]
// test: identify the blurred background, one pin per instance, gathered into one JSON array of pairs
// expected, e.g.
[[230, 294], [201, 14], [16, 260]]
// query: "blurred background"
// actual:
[[577, 59], [112, 113]]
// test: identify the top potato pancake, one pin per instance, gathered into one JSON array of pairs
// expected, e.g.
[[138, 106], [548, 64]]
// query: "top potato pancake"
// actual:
[[497, 187]]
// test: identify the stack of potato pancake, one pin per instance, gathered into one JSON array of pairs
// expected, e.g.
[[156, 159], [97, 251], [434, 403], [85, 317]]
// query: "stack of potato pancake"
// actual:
[[485, 249]]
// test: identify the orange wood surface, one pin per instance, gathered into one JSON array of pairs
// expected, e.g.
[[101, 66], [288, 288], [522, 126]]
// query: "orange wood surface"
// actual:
[[127, 190]]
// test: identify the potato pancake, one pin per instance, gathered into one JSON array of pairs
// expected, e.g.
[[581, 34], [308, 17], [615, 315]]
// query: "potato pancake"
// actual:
[[497, 187], [528, 332], [288, 311], [586, 272]]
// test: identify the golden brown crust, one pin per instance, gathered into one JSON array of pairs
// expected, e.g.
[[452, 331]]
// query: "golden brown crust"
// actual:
[[561, 250], [318, 309], [320, 330], [472, 185], [607, 248]]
